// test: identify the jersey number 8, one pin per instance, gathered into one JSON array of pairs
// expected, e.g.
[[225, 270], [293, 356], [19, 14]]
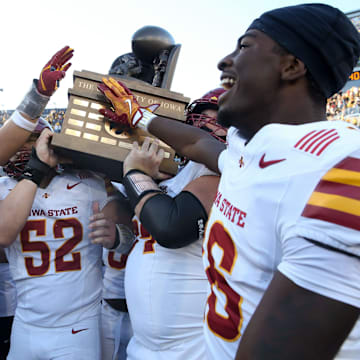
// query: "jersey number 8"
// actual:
[[225, 324]]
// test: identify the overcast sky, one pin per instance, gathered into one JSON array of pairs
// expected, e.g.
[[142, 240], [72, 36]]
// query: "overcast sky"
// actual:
[[101, 30]]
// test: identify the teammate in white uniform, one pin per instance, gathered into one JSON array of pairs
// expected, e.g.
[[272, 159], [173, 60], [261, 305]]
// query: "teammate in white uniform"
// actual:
[[282, 243], [114, 227], [7, 305], [285, 192], [166, 289], [165, 283], [55, 266], [116, 328], [13, 134]]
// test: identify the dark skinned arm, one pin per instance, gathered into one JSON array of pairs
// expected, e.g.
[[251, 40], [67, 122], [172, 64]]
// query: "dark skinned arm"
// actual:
[[294, 323], [188, 141]]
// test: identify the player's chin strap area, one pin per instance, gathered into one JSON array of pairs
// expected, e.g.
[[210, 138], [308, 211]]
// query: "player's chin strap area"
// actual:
[[172, 222]]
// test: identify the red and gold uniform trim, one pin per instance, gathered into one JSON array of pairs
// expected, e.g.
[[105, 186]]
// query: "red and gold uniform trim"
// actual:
[[336, 198]]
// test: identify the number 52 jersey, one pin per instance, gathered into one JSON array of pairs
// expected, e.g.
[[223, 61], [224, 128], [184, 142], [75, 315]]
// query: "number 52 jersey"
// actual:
[[57, 271]]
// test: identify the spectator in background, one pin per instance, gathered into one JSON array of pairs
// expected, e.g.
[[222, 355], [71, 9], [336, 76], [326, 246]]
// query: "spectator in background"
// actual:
[[57, 127], [345, 106]]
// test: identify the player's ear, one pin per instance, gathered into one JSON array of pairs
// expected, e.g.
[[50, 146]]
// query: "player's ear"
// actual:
[[292, 68]]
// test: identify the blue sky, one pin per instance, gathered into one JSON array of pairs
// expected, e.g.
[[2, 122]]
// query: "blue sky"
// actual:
[[100, 30]]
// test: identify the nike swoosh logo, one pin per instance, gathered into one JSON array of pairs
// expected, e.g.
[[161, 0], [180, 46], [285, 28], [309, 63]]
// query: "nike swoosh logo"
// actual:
[[69, 187], [77, 331], [128, 101], [263, 164]]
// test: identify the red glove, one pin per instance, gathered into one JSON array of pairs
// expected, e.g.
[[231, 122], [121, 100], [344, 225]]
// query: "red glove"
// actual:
[[127, 110], [54, 71]]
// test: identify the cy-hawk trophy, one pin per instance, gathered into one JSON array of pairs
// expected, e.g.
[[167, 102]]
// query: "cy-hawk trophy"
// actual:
[[95, 143]]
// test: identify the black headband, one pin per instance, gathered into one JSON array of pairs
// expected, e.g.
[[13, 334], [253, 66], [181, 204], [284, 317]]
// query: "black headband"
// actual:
[[321, 36]]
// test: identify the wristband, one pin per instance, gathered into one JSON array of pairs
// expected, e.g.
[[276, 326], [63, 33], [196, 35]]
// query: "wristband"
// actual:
[[21, 122], [33, 103], [137, 185], [124, 239], [35, 170], [145, 120]]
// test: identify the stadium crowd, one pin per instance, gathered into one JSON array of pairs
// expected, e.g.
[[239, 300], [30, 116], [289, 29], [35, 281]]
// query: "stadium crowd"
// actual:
[[55, 117], [341, 106], [251, 251], [345, 106]]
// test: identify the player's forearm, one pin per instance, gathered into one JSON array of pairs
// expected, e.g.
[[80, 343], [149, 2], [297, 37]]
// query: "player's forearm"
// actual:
[[187, 140], [22, 122], [15, 210], [292, 322], [12, 137]]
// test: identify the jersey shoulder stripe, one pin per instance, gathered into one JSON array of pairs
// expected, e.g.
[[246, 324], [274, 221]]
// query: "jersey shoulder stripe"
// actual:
[[316, 141], [336, 198]]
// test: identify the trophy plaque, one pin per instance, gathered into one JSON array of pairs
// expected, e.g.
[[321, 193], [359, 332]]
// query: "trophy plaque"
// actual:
[[95, 143]]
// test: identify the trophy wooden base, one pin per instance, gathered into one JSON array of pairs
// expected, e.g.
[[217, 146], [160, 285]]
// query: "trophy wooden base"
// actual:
[[97, 144]]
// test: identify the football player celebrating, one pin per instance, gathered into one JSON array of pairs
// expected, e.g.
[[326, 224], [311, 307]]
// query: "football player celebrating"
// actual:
[[13, 134], [116, 328], [281, 250], [165, 284], [53, 252], [23, 121]]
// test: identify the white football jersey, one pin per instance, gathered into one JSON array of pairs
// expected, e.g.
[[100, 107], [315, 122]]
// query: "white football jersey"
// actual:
[[287, 182], [166, 288], [114, 266], [56, 269], [7, 292], [114, 273]]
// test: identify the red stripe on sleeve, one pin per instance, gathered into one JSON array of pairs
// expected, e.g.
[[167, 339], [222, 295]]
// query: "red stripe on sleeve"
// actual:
[[320, 139], [303, 138], [329, 187], [332, 216], [312, 137], [349, 163], [326, 145]]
